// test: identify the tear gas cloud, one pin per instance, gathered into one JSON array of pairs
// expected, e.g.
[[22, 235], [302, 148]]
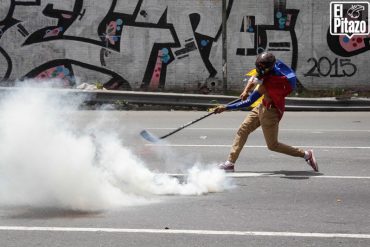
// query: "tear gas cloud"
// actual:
[[46, 161]]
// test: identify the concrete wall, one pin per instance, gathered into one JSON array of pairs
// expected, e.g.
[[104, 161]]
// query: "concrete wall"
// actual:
[[174, 45]]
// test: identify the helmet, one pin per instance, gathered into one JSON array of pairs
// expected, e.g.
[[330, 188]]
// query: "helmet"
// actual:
[[265, 63]]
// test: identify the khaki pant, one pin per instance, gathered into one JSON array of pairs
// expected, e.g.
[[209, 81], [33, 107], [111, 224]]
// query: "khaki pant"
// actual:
[[269, 120]]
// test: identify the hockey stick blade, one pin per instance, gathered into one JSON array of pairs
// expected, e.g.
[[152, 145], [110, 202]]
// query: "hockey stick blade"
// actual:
[[149, 136]]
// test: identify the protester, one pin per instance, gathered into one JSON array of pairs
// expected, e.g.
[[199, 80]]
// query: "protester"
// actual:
[[275, 81]]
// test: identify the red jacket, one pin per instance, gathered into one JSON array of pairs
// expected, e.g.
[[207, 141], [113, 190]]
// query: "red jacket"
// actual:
[[279, 84], [278, 87]]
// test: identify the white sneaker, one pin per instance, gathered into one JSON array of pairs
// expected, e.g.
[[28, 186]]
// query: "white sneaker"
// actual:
[[227, 166], [311, 160]]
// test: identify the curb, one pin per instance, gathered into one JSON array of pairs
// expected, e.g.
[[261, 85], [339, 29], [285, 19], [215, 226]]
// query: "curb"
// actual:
[[142, 99], [327, 104]]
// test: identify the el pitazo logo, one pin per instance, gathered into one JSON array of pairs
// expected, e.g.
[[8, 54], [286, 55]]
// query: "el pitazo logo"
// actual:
[[349, 18]]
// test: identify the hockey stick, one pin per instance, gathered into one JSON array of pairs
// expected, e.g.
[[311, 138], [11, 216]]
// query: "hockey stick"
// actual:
[[152, 138]]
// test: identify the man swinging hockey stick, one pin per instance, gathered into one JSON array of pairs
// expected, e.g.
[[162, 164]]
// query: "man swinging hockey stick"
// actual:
[[276, 81]]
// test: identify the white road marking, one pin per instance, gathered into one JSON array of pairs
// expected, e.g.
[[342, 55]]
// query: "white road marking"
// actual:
[[254, 174], [299, 130], [251, 146], [247, 174], [189, 232]]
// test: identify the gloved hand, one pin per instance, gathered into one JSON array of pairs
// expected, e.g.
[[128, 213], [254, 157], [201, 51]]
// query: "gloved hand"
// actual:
[[219, 109]]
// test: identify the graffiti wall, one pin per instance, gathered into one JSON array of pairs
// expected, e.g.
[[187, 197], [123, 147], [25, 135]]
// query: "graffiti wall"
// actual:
[[174, 45]]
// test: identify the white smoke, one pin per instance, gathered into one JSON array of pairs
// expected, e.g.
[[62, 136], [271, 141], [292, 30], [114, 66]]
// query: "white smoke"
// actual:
[[46, 161]]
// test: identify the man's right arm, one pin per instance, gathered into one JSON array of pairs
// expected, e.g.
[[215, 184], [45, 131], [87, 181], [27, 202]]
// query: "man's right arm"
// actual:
[[246, 99], [248, 88]]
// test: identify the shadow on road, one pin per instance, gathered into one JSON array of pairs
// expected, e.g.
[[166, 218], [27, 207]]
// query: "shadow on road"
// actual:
[[46, 213]]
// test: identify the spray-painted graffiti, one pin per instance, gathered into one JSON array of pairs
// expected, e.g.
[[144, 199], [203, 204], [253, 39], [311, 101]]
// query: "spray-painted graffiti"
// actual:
[[283, 26], [164, 45], [339, 67], [38, 64], [114, 22], [348, 47]]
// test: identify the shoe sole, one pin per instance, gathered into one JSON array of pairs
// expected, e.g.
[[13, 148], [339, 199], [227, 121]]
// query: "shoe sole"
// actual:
[[227, 169], [314, 165]]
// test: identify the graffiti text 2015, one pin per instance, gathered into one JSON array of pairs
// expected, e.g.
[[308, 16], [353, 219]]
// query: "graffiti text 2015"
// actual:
[[339, 67]]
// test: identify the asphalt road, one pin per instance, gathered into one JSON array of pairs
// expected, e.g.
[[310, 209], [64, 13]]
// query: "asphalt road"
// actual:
[[277, 200]]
